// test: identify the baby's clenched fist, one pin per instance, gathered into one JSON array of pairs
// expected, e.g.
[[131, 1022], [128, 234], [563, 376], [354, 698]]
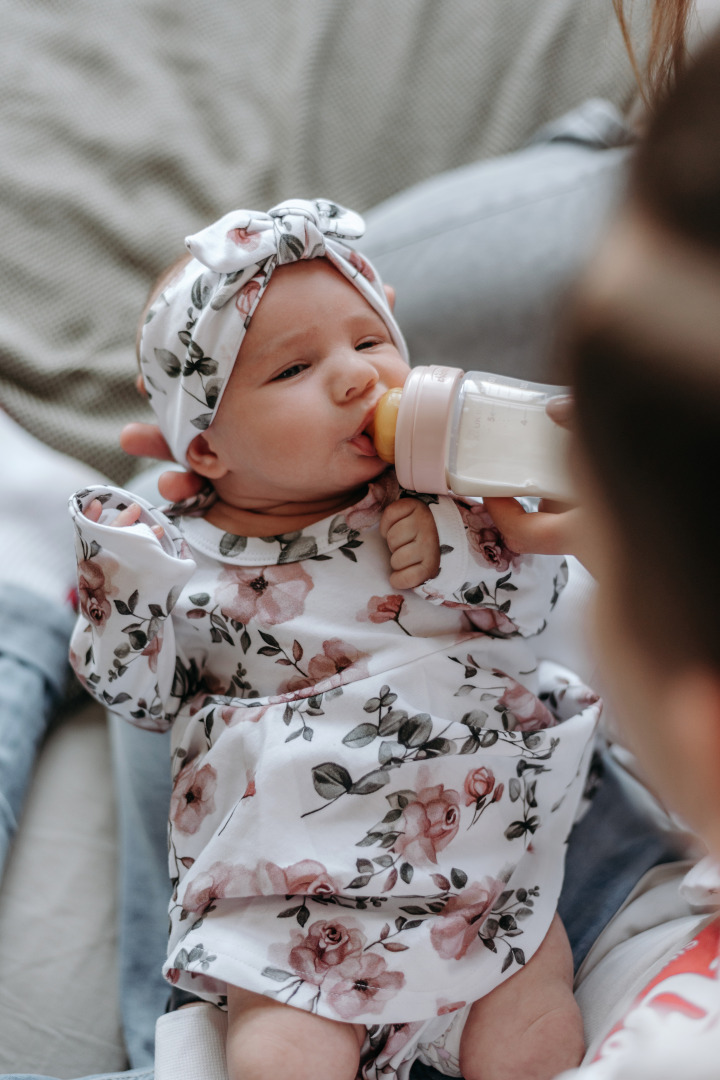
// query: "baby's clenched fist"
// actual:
[[409, 528]]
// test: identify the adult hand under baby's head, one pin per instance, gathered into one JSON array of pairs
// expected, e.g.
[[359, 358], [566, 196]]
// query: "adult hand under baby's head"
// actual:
[[146, 440]]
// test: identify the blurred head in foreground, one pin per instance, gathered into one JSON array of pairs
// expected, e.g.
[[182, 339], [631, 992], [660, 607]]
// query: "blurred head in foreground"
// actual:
[[644, 351]]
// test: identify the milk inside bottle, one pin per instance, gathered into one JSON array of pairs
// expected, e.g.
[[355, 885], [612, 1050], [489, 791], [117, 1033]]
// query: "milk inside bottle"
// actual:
[[473, 433]]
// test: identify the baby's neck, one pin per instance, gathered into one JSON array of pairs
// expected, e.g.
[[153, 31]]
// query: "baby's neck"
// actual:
[[276, 519]]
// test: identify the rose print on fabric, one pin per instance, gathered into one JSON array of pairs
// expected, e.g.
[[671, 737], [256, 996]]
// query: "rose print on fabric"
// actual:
[[152, 650], [488, 609], [525, 712], [478, 785], [309, 878], [460, 920], [481, 790], [248, 296], [428, 824], [363, 984], [217, 882], [380, 493], [325, 945], [493, 622], [403, 737], [465, 916], [485, 539], [518, 708], [95, 589], [332, 955], [444, 1007], [244, 238], [227, 881], [338, 663], [382, 609], [193, 797], [267, 594]]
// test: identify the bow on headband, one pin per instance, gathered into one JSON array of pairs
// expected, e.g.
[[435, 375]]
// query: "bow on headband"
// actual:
[[194, 329], [291, 231]]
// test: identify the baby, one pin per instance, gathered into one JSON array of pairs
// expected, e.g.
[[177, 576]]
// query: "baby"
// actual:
[[370, 800]]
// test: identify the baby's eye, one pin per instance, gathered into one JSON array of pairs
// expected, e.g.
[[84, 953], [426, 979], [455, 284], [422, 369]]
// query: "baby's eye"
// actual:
[[288, 373], [367, 344]]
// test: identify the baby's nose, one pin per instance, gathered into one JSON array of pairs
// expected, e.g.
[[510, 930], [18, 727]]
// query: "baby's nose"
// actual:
[[356, 375]]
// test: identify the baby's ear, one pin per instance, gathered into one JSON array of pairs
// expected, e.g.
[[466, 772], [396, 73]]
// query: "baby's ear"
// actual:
[[140, 386], [203, 459], [390, 293]]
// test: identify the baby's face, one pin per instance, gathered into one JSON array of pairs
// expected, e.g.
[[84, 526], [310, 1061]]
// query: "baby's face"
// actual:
[[313, 365]]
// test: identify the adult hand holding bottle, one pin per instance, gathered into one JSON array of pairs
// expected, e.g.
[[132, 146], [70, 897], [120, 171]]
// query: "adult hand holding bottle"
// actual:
[[556, 528]]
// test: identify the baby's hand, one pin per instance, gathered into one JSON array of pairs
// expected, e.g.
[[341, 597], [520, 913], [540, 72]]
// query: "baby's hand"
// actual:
[[128, 516], [412, 536]]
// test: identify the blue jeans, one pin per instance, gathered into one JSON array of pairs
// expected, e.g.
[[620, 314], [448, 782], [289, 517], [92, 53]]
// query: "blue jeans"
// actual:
[[33, 676], [481, 257], [142, 779]]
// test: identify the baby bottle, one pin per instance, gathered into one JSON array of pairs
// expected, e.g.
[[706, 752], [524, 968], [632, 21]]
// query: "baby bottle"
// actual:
[[472, 434]]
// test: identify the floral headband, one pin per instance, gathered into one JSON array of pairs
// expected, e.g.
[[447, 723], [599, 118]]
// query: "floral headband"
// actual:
[[194, 329]]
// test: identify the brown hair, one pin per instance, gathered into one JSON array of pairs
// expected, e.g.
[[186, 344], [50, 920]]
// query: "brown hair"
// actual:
[[667, 54], [648, 410]]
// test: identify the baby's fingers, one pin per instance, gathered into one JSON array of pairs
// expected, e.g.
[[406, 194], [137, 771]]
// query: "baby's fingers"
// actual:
[[93, 510], [128, 516], [395, 513], [125, 517], [401, 534], [412, 565], [408, 578]]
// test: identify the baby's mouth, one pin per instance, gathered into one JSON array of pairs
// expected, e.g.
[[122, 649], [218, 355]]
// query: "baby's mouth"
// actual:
[[364, 444], [362, 440]]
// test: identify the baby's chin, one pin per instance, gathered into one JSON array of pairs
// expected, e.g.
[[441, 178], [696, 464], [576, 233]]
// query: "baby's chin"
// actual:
[[375, 468]]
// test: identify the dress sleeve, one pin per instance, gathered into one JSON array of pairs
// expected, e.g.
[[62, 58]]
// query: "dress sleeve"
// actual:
[[123, 646], [504, 594]]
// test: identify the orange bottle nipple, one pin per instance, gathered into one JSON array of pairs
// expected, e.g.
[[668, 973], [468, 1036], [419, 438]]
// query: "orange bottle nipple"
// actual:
[[382, 430]]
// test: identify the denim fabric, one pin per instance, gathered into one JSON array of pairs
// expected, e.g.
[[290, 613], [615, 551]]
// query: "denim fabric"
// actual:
[[142, 778], [33, 673], [608, 852]]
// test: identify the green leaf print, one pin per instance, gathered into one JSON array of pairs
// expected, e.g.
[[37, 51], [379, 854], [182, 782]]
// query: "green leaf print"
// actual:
[[331, 780], [231, 544]]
